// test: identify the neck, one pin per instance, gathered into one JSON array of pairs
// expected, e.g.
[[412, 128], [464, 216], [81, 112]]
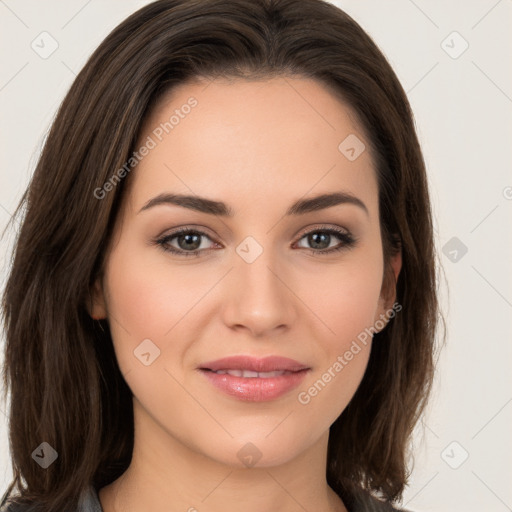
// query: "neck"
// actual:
[[166, 474]]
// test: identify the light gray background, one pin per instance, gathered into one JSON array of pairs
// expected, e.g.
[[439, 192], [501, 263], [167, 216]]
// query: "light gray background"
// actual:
[[463, 109]]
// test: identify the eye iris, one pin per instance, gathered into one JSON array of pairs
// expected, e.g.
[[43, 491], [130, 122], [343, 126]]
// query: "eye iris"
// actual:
[[316, 243], [189, 238]]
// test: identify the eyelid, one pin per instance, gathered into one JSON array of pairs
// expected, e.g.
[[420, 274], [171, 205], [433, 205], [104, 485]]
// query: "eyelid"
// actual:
[[175, 231], [321, 227]]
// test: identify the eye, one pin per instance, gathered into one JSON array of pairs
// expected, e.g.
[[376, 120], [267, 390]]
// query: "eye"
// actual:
[[188, 241], [320, 240]]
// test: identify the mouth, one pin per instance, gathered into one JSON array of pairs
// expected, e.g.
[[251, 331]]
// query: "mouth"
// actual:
[[248, 364], [249, 374], [255, 380]]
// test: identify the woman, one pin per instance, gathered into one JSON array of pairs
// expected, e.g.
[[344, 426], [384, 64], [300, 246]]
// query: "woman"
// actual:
[[284, 365]]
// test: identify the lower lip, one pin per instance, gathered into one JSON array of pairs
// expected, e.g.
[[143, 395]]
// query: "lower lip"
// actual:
[[255, 389]]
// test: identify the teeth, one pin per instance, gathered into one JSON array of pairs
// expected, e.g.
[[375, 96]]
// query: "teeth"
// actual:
[[266, 375], [250, 374], [246, 373]]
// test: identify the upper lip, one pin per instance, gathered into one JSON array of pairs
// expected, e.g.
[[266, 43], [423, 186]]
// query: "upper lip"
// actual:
[[255, 364]]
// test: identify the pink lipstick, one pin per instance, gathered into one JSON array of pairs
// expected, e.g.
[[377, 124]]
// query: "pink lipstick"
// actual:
[[255, 379]]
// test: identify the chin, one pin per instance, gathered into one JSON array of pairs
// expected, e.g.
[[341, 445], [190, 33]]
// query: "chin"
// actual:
[[259, 450]]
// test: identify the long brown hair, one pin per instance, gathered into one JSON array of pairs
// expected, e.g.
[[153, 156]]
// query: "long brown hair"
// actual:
[[60, 367]]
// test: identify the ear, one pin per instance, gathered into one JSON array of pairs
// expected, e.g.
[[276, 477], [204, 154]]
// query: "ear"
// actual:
[[96, 305], [388, 289]]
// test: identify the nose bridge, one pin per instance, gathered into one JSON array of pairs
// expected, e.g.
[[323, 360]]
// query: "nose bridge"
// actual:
[[258, 297]]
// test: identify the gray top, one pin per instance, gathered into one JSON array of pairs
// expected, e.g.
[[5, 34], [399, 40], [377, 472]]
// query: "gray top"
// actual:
[[89, 502]]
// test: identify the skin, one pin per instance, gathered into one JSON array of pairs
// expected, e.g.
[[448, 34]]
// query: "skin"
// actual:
[[257, 146]]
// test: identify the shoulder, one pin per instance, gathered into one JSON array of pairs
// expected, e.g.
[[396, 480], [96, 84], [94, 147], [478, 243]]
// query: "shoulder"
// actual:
[[10, 506], [89, 502], [365, 502]]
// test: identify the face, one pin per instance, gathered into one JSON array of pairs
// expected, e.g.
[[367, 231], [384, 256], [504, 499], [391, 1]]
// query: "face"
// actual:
[[247, 275]]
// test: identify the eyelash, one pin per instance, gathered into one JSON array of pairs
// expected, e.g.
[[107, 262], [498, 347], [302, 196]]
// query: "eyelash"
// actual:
[[348, 241]]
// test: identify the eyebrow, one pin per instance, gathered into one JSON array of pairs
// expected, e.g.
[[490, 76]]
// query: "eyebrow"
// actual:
[[300, 207]]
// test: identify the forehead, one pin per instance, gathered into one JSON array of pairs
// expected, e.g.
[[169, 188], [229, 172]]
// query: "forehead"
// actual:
[[262, 141]]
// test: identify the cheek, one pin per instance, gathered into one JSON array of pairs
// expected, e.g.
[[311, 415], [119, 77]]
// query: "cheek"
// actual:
[[322, 398], [346, 343], [345, 297], [148, 295], [146, 301]]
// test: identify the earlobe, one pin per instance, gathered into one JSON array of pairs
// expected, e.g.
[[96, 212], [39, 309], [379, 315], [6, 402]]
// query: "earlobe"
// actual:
[[396, 265], [388, 291], [391, 279], [96, 304]]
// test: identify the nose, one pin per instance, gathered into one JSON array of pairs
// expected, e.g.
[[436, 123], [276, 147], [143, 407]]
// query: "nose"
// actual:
[[258, 297]]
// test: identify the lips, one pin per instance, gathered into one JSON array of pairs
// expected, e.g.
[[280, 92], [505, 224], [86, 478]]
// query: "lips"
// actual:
[[256, 380], [253, 364]]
